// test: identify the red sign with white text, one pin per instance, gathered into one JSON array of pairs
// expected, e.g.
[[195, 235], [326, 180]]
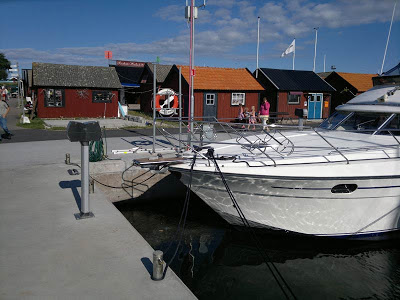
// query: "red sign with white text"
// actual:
[[108, 54], [126, 63]]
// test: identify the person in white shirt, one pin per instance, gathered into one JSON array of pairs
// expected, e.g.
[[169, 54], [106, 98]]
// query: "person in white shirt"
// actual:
[[4, 93]]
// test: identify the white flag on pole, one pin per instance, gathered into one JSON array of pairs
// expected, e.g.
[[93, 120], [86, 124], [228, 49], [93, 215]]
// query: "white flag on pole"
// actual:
[[290, 49]]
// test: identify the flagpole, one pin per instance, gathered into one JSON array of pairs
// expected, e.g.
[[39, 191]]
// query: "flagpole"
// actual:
[[387, 42], [315, 47], [258, 43], [294, 52]]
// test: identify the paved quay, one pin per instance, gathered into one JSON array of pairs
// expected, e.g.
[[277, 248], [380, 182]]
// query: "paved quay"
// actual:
[[107, 123], [46, 253]]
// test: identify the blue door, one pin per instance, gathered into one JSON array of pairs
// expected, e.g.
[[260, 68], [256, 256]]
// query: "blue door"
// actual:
[[210, 105], [315, 106]]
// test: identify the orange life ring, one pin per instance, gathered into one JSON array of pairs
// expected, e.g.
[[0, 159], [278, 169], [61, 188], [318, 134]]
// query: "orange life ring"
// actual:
[[171, 97]]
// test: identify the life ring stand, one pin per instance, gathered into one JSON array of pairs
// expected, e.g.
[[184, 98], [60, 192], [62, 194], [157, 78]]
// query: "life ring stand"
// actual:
[[172, 97]]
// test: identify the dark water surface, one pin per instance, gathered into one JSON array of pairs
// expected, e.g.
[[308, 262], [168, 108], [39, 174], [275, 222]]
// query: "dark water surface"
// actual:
[[217, 261]]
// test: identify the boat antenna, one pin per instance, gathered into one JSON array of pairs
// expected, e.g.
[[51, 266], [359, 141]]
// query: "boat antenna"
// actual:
[[258, 42], [387, 42]]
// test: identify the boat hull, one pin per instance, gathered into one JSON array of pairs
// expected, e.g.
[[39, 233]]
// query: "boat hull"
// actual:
[[303, 205]]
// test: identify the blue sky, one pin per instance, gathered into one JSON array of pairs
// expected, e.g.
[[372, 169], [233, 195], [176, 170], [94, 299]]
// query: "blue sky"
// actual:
[[352, 34]]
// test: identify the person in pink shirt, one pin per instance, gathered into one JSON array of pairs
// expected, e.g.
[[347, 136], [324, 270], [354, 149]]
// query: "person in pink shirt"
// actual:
[[264, 112]]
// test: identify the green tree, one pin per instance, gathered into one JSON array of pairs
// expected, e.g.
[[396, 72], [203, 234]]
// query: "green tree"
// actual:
[[4, 66]]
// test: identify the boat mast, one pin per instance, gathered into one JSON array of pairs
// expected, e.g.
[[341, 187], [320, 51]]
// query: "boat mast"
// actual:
[[387, 42], [315, 46], [258, 43]]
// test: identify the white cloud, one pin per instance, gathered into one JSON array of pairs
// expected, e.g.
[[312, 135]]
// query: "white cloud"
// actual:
[[226, 25], [172, 13], [223, 13], [223, 3]]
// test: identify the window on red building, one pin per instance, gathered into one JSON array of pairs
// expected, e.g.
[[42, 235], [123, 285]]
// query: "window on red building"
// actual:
[[54, 98], [294, 97], [102, 96], [238, 98]]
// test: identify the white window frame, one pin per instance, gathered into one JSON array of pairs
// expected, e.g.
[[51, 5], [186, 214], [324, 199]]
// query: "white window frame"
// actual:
[[292, 102], [238, 98], [211, 100]]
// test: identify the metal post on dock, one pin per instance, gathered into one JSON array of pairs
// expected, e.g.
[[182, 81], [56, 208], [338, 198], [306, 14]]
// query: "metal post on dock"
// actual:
[[85, 177], [301, 121], [84, 133], [158, 265], [67, 158], [154, 105], [180, 108], [91, 186], [85, 203], [300, 113]]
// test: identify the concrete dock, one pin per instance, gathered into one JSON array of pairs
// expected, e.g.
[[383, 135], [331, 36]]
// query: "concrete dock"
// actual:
[[46, 253]]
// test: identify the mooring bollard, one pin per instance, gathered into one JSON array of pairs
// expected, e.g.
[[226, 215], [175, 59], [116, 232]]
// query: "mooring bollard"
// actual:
[[91, 186], [158, 265], [301, 123], [67, 158], [299, 112]]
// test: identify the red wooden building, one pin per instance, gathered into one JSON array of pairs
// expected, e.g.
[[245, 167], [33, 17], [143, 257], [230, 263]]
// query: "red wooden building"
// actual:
[[347, 85], [217, 91], [287, 90], [69, 91]]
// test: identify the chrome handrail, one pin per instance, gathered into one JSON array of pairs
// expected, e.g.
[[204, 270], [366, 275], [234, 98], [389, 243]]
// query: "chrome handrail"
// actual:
[[336, 149], [258, 145]]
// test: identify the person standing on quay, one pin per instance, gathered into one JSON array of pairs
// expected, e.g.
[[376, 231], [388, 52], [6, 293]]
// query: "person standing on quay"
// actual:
[[4, 93], [4, 109], [264, 112], [241, 114], [252, 118]]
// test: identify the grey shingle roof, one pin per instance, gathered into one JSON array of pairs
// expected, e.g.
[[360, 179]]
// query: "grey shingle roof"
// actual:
[[57, 75], [162, 71], [289, 80]]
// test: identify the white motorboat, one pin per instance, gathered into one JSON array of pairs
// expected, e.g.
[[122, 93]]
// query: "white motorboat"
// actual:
[[341, 179]]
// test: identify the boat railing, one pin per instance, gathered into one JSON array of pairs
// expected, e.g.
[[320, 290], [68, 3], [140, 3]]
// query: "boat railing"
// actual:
[[335, 148], [258, 143], [208, 131]]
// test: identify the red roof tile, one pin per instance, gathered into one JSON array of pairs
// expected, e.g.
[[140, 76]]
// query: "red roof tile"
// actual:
[[209, 78], [362, 82]]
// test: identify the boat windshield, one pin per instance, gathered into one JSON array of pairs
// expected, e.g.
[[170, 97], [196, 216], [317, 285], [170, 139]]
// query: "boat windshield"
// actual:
[[364, 122], [334, 120]]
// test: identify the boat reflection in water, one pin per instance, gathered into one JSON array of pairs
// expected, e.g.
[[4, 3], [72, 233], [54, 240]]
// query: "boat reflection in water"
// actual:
[[313, 269], [217, 261]]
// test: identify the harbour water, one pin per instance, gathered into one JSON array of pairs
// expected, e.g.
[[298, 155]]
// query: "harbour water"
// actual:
[[217, 261]]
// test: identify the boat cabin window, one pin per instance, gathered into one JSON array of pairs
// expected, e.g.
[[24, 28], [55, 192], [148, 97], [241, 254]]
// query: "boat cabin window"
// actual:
[[364, 122], [334, 120], [393, 126]]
